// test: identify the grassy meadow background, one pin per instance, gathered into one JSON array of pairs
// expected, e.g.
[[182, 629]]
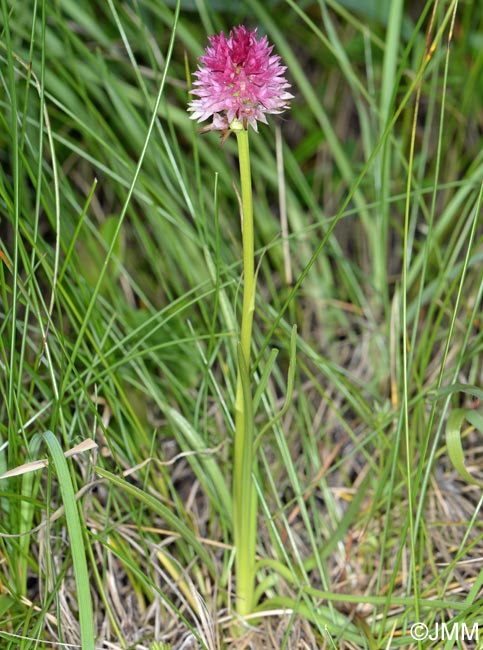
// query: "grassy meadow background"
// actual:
[[120, 282]]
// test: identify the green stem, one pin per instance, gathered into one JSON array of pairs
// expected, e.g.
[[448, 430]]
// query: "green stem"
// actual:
[[248, 244], [244, 493]]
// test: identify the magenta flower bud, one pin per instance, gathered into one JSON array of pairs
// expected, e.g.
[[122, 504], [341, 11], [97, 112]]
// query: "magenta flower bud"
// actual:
[[240, 81]]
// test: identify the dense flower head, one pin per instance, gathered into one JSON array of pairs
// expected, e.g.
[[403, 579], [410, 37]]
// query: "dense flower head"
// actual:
[[240, 80]]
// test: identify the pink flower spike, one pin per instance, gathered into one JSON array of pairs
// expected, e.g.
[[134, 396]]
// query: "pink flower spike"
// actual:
[[240, 81]]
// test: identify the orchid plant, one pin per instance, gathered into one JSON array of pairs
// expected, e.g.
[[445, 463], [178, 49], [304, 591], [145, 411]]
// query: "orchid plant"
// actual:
[[237, 83]]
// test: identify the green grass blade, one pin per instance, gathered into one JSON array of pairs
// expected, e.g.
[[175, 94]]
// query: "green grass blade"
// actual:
[[177, 525], [454, 443], [77, 541]]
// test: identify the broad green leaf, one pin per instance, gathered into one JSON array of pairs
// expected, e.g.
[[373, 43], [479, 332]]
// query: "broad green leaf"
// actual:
[[453, 440]]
